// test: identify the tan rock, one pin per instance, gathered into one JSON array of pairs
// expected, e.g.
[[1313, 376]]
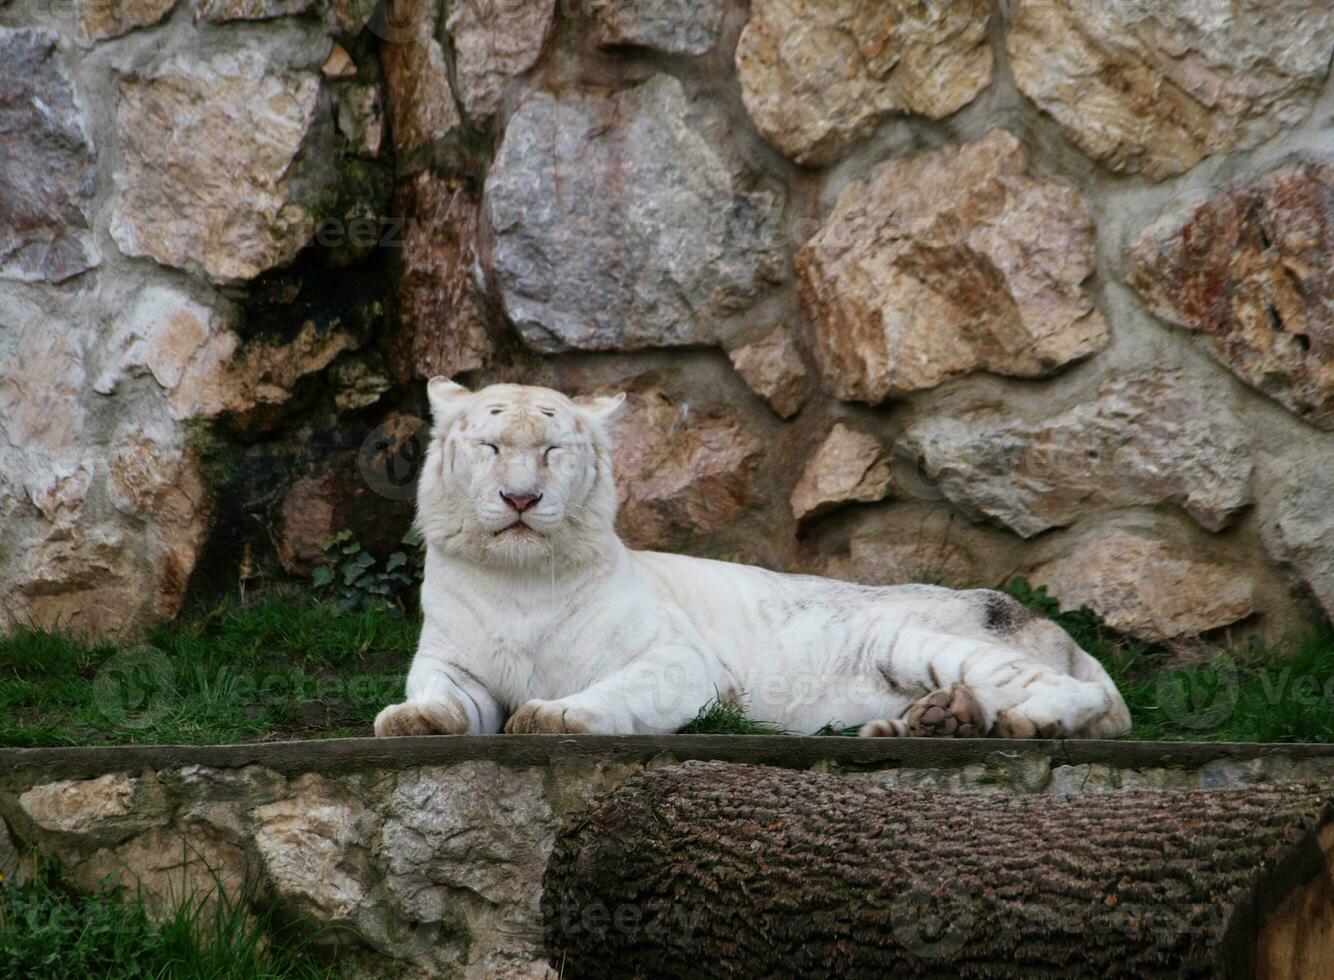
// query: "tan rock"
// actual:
[[339, 63], [817, 75], [106, 808], [850, 466], [193, 121], [60, 493], [495, 41], [773, 369], [315, 849], [1154, 86], [679, 471], [1250, 269], [421, 106], [203, 366], [874, 560], [948, 263], [162, 484], [1152, 438], [443, 316], [306, 522], [1148, 588], [169, 867], [103, 19]]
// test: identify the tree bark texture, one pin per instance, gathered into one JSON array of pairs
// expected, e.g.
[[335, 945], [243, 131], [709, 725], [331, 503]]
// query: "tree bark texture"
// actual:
[[715, 869]]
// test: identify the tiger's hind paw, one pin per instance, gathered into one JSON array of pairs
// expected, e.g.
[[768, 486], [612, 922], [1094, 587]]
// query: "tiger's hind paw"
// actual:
[[952, 713]]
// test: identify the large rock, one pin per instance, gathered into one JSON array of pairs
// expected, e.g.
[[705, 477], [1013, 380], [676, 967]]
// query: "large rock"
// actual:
[[494, 41], [1250, 269], [103, 19], [686, 27], [678, 472], [314, 844], [439, 306], [1153, 86], [1152, 438], [1147, 587], [850, 466], [210, 157], [619, 223], [422, 112], [817, 75], [874, 560], [47, 161], [947, 263], [1300, 527], [773, 369], [463, 850], [202, 365], [109, 807]]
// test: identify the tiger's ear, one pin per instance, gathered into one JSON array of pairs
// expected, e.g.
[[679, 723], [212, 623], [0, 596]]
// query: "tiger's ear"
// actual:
[[604, 409], [447, 401]]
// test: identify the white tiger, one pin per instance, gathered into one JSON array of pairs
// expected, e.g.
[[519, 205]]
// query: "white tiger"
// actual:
[[537, 618]]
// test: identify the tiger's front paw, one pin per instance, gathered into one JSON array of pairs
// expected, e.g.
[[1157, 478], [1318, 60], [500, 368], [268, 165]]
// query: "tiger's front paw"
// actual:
[[548, 718], [422, 718]]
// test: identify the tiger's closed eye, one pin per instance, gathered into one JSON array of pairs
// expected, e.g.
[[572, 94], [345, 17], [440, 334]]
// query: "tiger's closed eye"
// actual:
[[546, 453], [491, 446]]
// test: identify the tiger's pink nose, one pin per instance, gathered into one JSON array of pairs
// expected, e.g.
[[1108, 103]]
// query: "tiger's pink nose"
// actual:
[[520, 501]]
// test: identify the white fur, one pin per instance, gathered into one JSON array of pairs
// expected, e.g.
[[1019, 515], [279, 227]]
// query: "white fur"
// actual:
[[559, 627]]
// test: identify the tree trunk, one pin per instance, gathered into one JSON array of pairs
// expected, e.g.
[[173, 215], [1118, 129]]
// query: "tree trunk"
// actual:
[[713, 869]]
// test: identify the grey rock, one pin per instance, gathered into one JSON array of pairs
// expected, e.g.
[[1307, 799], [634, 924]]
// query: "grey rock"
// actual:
[[619, 223], [1152, 438], [669, 26], [46, 158], [1300, 531]]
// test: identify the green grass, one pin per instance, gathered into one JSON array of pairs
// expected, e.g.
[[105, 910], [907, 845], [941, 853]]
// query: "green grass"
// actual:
[[50, 930], [294, 668], [276, 668]]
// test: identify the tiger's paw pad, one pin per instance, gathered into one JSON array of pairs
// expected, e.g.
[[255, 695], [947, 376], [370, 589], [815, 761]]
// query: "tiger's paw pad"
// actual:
[[952, 713]]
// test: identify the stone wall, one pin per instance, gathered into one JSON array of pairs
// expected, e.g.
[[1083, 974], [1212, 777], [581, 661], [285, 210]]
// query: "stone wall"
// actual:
[[943, 291], [429, 853]]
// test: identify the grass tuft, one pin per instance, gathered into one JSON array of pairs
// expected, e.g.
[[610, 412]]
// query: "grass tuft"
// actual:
[[725, 717], [50, 930]]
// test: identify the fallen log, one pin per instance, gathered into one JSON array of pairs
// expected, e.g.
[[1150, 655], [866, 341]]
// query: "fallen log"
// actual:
[[714, 869]]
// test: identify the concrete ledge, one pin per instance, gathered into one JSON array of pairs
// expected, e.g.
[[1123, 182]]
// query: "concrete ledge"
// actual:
[[429, 853], [333, 756]]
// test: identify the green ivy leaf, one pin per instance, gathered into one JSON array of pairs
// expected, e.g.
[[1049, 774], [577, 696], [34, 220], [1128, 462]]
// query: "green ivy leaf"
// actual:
[[322, 576]]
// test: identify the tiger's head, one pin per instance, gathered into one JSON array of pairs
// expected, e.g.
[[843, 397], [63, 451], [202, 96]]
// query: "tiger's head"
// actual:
[[517, 475]]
